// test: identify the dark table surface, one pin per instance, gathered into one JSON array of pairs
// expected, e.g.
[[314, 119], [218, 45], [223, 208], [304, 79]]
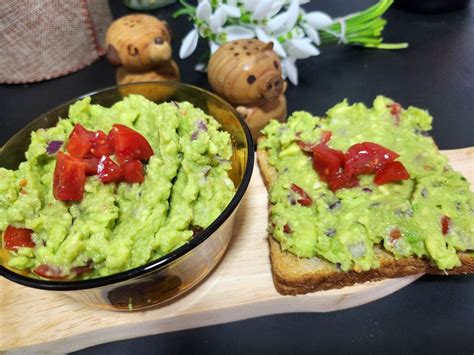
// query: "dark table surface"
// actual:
[[434, 314]]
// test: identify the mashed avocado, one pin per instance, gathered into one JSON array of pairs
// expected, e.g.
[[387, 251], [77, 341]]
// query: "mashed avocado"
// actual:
[[344, 226], [120, 226]]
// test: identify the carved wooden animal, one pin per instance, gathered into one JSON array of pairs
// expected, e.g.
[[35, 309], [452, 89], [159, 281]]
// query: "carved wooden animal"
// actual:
[[247, 73], [140, 46]]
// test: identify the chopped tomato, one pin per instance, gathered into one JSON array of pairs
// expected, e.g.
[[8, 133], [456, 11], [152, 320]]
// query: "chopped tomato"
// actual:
[[69, 178], [325, 136], [129, 144], [327, 161], [341, 180], [80, 141], [133, 171], [445, 224], [49, 272], [305, 199], [308, 147], [79, 270], [395, 111], [91, 165], [15, 238], [287, 229], [393, 171], [395, 234], [367, 158], [108, 171], [101, 145]]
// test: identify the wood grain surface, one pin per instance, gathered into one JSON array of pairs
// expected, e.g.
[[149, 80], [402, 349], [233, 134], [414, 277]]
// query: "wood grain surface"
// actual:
[[240, 287]]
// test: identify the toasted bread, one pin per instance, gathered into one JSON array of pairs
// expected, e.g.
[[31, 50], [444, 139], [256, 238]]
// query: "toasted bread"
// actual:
[[293, 275]]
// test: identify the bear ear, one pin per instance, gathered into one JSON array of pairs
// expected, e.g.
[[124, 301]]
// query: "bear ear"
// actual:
[[113, 56], [168, 35]]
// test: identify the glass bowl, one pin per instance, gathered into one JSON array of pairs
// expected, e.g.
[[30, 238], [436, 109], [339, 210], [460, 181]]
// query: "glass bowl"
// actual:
[[171, 275]]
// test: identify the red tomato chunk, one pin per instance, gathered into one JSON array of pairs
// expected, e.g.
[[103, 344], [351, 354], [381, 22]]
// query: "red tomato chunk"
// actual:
[[80, 141], [69, 178], [108, 171], [133, 171], [305, 199], [129, 144], [393, 171], [15, 238]]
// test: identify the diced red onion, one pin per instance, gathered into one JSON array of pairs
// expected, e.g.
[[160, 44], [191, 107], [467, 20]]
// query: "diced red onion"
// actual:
[[53, 147]]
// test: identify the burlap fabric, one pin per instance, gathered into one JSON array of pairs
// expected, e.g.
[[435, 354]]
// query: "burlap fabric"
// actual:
[[46, 39]]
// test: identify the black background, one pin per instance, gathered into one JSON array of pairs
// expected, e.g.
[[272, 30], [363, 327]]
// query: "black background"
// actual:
[[433, 315]]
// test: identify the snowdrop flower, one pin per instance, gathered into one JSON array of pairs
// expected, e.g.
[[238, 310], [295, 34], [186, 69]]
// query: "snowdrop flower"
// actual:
[[189, 43], [295, 33]]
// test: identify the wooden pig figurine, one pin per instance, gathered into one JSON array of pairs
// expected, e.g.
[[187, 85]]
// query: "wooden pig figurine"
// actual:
[[247, 73], [140, 46]]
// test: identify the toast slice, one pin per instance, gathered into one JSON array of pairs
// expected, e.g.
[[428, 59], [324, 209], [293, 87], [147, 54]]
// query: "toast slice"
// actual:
[[293, 275]]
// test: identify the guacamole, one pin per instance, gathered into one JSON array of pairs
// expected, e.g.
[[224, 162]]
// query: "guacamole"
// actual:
[[120, 225], [429, 213]]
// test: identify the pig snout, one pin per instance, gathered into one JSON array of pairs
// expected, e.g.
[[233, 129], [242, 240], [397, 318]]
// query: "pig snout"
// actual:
[[272, 87]]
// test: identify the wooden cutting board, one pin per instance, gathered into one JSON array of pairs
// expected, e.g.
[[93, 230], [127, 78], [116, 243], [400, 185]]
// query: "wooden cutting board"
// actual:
[[240, 287]]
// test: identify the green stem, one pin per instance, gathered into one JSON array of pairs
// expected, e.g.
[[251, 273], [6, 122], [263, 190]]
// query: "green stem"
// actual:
[[363, 29]]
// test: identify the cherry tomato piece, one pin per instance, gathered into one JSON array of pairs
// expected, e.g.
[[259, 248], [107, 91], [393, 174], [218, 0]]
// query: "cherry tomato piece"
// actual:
[[49, 272], [327, 161], [341, 180], [108, 171], [133, 171], [367, 158], [91, 165], [325, 136], [80, 141], [305, 199], [15, 238], [129, 144], [445, 224], [101, 145], [69, 178], [393, 171]]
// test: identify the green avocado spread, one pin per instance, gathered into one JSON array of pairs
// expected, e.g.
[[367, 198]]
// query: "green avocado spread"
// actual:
[[343, 227], [119, 226]]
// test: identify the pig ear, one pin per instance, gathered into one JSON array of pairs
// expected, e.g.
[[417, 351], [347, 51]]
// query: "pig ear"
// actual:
[[113, 56], [267, 47]]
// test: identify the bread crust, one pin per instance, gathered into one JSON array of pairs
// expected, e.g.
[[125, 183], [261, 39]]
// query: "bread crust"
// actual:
[[293, 275]]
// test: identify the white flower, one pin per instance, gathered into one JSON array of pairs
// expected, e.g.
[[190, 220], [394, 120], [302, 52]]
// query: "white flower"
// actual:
[[217, 20], [213, 46], [285, 21], [262, 9], [318, 20], [250, 5], [300, 48], [312, 34], [189, 43], [204, 11], [238, 32], [289, 70], [231, 11]]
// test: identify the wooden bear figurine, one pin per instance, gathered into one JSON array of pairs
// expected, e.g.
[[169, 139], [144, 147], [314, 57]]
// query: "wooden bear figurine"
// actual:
[[140, 46], [247, 73]]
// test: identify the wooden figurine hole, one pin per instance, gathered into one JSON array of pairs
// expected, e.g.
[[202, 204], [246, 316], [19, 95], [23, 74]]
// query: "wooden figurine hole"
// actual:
[[245, 47], [275, 64], [236, 54], [248, 53]]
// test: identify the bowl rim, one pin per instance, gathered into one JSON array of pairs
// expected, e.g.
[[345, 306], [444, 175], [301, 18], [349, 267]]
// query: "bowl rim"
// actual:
[[168, 258]]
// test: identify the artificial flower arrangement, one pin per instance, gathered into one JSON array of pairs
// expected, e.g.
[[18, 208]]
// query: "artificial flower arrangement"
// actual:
[[295, 33]]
